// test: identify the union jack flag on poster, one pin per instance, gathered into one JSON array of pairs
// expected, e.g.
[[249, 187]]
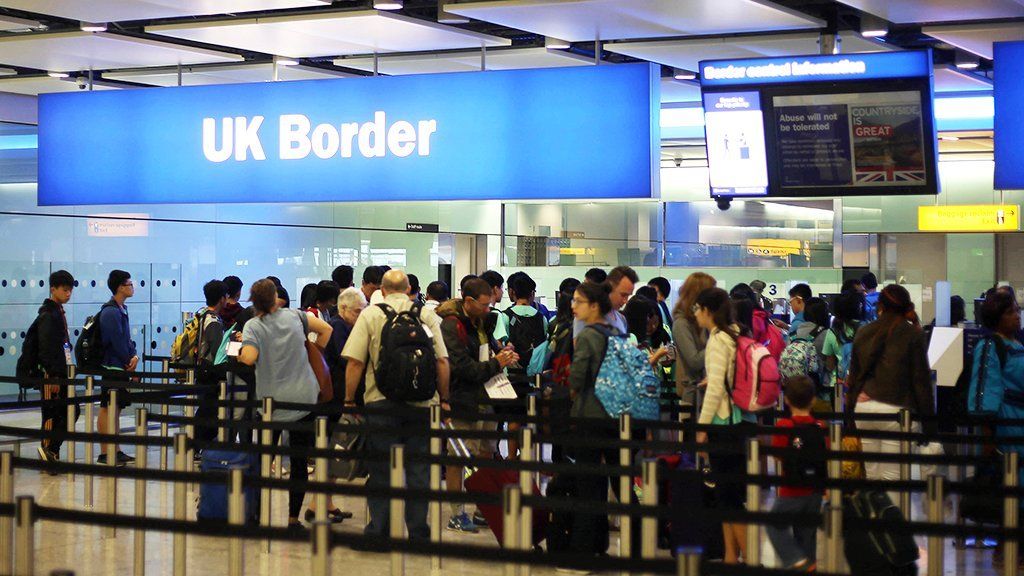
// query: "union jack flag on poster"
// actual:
[[887, 174]]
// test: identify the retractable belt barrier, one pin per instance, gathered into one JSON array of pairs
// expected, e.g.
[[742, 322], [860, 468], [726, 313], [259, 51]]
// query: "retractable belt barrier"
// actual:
[[518, 501]]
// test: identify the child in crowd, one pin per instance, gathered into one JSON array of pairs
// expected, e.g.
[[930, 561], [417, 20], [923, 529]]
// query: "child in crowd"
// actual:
[[796, 545]]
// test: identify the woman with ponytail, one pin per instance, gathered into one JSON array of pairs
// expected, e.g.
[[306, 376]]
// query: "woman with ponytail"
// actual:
[[889, 371]]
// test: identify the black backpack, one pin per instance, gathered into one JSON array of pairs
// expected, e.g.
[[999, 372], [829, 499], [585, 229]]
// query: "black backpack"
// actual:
[[28, 362], [89, 347], [809, 449], [525, 333], [406, 368]]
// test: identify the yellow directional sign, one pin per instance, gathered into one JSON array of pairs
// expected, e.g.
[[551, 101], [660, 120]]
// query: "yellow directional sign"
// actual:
[[773, 247], [969, 218]]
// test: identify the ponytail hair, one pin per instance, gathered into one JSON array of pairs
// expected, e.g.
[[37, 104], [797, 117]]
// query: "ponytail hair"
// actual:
[[599, 294], [895, 303], [716, 301]]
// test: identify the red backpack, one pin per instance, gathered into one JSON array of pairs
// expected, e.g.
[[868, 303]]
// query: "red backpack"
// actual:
[[757, 385]]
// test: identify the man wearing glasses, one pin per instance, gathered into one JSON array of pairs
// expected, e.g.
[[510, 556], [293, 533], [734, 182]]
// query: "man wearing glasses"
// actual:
[[119, 355], [798, 296]]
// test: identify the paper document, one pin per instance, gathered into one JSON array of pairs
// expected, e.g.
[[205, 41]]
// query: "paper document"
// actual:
[[499, 388]]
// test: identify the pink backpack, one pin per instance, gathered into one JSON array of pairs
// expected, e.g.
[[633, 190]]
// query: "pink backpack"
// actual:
[[766, 333], [757, 384]]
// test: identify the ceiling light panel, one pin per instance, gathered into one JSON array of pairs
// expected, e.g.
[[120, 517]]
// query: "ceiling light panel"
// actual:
[[977, 38], [334, 34], [8, 23], [466, 61], [585, 20], [234, 74], [71, 51], [949, 79], [911, 11], [120, 10], [42, 85], [686, 54]]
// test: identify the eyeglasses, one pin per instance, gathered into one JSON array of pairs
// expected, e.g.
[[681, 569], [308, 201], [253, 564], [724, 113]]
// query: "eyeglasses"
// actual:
[[128, 283], [580, 301], [695, 308]]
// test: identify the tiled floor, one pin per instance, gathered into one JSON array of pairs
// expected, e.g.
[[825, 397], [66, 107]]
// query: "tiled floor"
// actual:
[[89, 551]]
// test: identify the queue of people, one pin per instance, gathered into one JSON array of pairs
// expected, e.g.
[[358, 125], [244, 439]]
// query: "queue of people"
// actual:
[[392, 350]]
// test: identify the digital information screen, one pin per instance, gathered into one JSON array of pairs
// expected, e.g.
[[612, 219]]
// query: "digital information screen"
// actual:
[[735, 137], [854, 124]]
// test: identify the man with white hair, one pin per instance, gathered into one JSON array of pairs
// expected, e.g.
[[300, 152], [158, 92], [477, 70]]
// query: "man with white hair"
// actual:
[[366, 344]]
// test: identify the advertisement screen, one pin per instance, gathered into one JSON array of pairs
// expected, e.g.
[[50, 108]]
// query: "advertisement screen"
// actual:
[[873, 139], [734, 126]]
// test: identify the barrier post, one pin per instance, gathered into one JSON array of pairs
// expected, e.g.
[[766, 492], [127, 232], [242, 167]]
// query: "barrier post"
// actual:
[[532, 409], [320, 474], [936, 513], [511, 503], [688, 561], [1011, 514], [649, 525], [266, 440], [834, 508], [320, 556], [753, 552], [24, 536], [396, 518], [89, 429], [165, 410], [434, 506], [625, 487], [141, 423], [71, 454], [111, 451], [180, 465], [6, 522], [906, 426], [528, 452], [236, 517], [190, 429], [222, 412]]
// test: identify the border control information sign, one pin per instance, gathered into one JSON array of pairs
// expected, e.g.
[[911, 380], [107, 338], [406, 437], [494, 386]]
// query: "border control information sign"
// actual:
[[849, 124], [586, 132]]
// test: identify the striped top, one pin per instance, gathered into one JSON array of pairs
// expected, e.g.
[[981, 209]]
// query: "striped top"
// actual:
[[720, 365]]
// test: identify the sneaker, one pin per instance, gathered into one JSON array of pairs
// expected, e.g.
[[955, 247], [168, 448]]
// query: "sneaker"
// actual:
[[462, 523], [49, 457], [335, 516], [102, 459], [123, 459], [479, 520]]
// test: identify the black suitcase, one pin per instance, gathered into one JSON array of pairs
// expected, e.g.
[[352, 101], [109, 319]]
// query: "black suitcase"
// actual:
[[877, 552], [558, 532], [691, 498]]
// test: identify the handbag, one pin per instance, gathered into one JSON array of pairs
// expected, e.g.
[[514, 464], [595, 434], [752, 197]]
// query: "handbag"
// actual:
[[318, 362], [853, 469]]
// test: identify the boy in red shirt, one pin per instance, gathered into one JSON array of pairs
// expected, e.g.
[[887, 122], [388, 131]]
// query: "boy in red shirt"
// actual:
[[796, 545]]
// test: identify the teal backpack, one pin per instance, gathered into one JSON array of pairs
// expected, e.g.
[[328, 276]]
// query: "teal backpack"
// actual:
[[222, 350], [626, 383]]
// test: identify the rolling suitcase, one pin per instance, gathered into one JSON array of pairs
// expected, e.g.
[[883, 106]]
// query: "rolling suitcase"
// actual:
[[878, 552], [690, 497], [493, 481], [213, 496]]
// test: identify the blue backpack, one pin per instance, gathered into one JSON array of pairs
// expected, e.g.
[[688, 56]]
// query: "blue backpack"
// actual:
[[626, 383], [987, 388], [843, 369]]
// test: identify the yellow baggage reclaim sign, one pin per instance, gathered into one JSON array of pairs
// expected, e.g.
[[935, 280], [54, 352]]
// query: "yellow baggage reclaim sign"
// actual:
[[773, 247], [969, 218]]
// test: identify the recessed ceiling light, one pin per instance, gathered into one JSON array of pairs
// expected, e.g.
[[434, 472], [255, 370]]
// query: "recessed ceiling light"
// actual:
[[283, 61], [872, 27], [93, 26], [57, 74], [966, 61], [553, 43], [949, 138], [680, 74], [388, 4], [8, 72]]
